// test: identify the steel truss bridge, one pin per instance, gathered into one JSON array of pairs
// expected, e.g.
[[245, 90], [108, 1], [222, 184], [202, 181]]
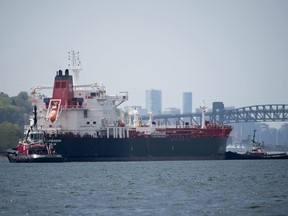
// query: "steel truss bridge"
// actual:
[[257, 113]]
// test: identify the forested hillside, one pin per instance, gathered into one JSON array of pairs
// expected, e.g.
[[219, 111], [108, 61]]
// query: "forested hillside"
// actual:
[[14, 114]]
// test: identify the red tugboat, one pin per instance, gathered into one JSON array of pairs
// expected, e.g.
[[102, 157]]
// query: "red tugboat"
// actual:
[[33, 148], [83, 123], [257, 152]]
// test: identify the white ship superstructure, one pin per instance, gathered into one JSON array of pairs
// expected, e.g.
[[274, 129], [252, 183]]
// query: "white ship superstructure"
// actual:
[[83, 109]]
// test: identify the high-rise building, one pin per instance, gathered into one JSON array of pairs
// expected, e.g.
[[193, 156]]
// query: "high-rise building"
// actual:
[[187, 102], [154, 101]]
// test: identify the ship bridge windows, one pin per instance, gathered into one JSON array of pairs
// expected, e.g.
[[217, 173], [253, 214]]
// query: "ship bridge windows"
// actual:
[[57, 85], [94, 94], [35, 136]]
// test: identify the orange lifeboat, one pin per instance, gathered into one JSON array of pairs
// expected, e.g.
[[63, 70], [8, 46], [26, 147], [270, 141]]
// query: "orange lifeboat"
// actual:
[[53, 112]]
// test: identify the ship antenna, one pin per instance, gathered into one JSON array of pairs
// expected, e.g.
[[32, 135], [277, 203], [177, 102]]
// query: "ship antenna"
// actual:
[[75, 65], [203, 109], [35, 117], [253, 140]]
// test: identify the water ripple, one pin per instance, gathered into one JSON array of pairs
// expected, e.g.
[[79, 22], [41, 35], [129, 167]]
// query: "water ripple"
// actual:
[[145, 188]]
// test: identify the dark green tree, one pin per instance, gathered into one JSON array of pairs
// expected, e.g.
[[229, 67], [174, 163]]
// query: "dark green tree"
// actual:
[[15, 110], [4, 99], [22, 100], [14, 114], [9, 135]]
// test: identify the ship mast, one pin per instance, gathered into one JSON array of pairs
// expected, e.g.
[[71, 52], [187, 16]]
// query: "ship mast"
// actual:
[[75, 65]]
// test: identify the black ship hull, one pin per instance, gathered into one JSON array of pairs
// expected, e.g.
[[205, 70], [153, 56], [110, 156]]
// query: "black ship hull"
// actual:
[[138, 149], [34, 158], [237, 156]]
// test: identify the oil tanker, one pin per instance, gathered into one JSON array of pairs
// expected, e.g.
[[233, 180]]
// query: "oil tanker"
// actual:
[[83, 123]]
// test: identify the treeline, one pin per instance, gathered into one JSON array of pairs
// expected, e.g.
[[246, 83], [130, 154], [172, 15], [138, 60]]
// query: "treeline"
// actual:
[[14, 114]]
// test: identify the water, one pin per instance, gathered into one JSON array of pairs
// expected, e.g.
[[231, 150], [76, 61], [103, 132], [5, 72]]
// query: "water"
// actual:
[[145, 188]]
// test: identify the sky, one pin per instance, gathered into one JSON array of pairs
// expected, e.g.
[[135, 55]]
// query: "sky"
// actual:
[[234, 51]]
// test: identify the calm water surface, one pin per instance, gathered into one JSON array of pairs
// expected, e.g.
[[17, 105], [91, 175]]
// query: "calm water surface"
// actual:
[[145, 188]]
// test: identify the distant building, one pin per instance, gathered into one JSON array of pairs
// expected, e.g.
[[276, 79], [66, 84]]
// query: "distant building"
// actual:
[[172, 110], [187, 104], [154, 101]]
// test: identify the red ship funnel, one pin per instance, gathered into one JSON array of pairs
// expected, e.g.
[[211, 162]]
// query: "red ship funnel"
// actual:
[[63, 88]]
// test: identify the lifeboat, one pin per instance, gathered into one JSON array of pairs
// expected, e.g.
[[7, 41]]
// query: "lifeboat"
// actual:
[[53, 112]]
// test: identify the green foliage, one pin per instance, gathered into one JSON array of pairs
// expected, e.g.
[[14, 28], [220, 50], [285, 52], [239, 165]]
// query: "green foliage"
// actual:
[[9, 135], [4, 99], [22, 100], [15, 109], [14, 114]]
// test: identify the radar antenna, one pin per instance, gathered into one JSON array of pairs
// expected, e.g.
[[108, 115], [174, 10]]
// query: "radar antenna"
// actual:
[[75, 65]]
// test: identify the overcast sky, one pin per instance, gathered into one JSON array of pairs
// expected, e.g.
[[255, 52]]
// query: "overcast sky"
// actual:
[[235, 51]]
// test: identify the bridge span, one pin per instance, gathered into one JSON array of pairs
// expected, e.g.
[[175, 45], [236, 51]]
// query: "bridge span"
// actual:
[[256, 113]]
